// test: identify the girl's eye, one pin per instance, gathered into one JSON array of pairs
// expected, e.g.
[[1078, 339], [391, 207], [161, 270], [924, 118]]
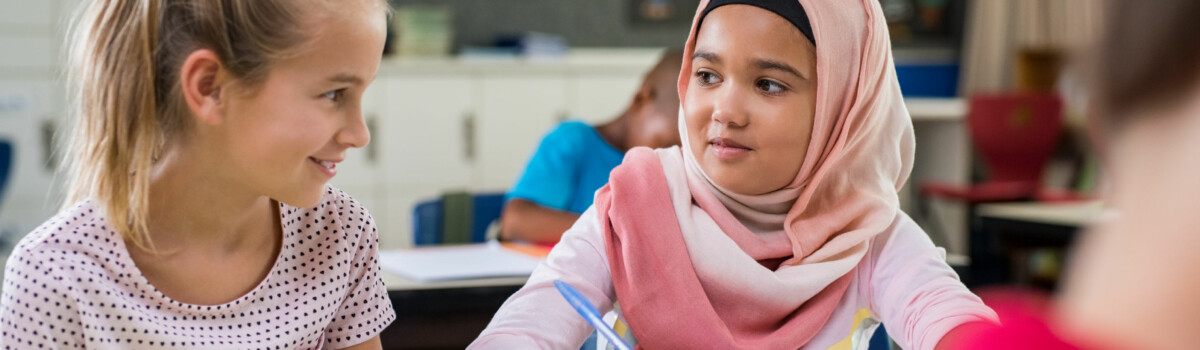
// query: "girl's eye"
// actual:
[[335, 95], [769, 87], [706, 78]]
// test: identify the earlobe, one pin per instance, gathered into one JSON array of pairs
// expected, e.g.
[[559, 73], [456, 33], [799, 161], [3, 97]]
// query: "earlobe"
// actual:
[[646, 93], [644, 97], [201, 78]]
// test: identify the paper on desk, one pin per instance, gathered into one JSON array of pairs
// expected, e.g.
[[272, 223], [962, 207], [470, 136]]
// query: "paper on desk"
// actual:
[[457, 262]]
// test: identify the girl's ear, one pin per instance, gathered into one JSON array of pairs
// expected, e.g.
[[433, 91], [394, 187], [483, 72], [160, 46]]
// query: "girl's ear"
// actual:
[[643, 99], [202, 77]]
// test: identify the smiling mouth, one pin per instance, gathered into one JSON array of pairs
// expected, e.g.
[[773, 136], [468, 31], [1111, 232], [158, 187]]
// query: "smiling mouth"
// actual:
[[324, 163]]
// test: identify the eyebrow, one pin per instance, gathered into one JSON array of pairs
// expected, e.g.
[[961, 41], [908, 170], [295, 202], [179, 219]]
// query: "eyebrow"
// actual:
[[346, 78], [766, 64], [708, 56], [760, 63]]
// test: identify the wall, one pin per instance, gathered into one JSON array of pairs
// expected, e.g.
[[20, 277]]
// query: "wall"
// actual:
[[582, 23]]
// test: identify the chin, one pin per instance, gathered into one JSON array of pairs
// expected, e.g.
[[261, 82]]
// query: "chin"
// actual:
[[307, 197], [739, 182]]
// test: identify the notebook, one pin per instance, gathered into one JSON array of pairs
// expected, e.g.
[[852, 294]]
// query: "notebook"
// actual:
[[427, 264]]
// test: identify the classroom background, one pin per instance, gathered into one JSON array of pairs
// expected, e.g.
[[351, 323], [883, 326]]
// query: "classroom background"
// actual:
[[1003, 176]]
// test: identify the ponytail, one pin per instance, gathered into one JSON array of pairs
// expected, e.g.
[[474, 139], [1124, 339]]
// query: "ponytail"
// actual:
[[116, 139]]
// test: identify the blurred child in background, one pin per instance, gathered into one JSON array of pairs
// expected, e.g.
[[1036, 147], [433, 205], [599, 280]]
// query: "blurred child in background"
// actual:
[[574, 159]]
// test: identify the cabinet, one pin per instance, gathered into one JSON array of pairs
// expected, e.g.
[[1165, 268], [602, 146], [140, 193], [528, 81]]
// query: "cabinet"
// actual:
[[444, 125], [517, 111]]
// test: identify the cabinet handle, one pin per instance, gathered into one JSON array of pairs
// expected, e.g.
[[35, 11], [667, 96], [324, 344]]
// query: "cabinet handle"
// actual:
[[49, 138], [468, 129], [372, 147]]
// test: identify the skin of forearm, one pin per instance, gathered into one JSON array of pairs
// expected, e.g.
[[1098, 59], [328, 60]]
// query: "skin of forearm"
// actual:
[[528, 221]]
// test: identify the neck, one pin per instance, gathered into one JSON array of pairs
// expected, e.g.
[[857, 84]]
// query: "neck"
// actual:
[[193, 207], [616, 132]]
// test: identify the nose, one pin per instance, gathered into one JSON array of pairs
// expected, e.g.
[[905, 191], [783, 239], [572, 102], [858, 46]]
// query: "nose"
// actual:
[[729, 107], [355, 133]]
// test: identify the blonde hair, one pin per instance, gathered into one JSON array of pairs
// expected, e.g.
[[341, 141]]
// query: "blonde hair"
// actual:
[[123, 71]]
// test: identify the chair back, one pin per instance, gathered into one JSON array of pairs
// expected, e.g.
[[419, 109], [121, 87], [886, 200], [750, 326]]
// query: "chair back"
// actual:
[[427, 222], [6, 160], [1015, 134], [455, 218]]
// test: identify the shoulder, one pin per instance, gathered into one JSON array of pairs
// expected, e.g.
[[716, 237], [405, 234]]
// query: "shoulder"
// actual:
[[643, 161], [75, 242], [78, 232], [902, 235], [343, 205], [570, 132], [338, 219], [572, 127], [335, 205]]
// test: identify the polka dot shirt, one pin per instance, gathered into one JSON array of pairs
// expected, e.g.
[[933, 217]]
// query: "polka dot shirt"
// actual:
[[71, 284]]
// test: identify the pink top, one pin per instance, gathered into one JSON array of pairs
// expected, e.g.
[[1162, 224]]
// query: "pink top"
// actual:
[[71, 284], [902, 281]]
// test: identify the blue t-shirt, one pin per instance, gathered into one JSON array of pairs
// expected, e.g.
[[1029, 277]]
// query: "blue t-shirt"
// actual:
[[570, 164]]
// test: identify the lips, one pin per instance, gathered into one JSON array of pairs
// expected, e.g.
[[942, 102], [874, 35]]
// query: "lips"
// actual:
[[727, 149], [327, 166], [725, 142]]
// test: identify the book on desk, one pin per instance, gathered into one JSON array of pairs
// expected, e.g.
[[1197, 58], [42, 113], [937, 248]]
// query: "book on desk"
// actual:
[[467, 261]]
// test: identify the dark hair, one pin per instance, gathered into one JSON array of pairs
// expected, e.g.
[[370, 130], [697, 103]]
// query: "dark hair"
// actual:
[[1149, 55]]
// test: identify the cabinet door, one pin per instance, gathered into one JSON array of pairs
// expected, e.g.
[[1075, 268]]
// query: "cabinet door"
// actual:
[[425, 135], [599, 97], [516, 111], [32, 192]]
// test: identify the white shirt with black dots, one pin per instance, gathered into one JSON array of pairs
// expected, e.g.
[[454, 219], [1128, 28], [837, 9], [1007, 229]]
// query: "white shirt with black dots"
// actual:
[[71, 284]]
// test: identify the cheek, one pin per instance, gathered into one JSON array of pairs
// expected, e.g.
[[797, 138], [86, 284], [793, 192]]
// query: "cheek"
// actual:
[[284, 136], [787, 134], [696, 119]]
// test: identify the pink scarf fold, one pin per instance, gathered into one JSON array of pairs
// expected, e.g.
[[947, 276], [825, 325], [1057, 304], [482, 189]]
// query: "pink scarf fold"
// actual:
[[697, 266], [665, 300]]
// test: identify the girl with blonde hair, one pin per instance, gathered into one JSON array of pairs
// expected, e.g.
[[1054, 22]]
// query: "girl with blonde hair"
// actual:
[[198, 213]]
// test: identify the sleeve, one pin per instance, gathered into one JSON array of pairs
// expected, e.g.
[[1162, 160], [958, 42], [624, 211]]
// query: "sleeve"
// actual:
[[36, 309], [366, 310], [917, 295], [550, 176], [537, 317]]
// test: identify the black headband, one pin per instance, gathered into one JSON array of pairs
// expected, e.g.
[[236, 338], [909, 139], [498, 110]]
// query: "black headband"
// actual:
[[788, 9]]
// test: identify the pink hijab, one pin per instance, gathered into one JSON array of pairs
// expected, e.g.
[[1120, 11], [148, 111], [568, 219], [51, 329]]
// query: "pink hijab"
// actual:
[[697, 266]]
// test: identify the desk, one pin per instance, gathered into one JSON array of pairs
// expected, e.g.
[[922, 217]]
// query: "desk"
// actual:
[[1014, 230], [444, 314], [1076, 214]]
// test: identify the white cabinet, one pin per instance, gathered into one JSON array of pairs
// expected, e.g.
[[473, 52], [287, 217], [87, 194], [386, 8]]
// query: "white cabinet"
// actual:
[[424, 133], [28, 114], [24, 12], [517, 110], [423, 144]]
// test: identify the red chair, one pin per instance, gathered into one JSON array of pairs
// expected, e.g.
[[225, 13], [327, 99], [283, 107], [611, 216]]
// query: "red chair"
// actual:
[[1014, 135]]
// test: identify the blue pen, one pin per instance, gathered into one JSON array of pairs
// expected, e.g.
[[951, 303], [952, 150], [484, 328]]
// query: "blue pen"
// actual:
[[589, 313]]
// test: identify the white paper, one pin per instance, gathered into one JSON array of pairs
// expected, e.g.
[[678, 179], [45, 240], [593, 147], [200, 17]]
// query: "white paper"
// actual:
[[457, 262]]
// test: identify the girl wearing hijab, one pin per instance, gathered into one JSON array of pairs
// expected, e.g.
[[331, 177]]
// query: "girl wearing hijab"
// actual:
[[776, 225]]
